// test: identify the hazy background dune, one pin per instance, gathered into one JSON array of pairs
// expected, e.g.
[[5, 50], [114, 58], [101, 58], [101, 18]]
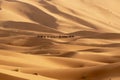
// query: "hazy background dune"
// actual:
[[92, 54]]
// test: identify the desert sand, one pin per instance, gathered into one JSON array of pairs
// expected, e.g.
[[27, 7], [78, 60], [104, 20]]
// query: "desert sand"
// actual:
[[92, 54]]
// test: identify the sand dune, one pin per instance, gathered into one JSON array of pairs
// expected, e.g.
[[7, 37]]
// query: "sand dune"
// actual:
[[91, 54]]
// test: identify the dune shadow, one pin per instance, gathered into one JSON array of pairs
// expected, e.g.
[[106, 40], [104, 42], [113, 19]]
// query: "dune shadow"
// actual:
[[93, 50], [37, 15], [55, 10], [67, 54], [27, 26], [5, 76], [112, 45], [96, 35], [11, 0]]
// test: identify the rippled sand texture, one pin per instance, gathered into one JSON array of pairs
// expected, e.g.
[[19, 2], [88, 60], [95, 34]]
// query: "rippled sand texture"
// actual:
[[93, 54]]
